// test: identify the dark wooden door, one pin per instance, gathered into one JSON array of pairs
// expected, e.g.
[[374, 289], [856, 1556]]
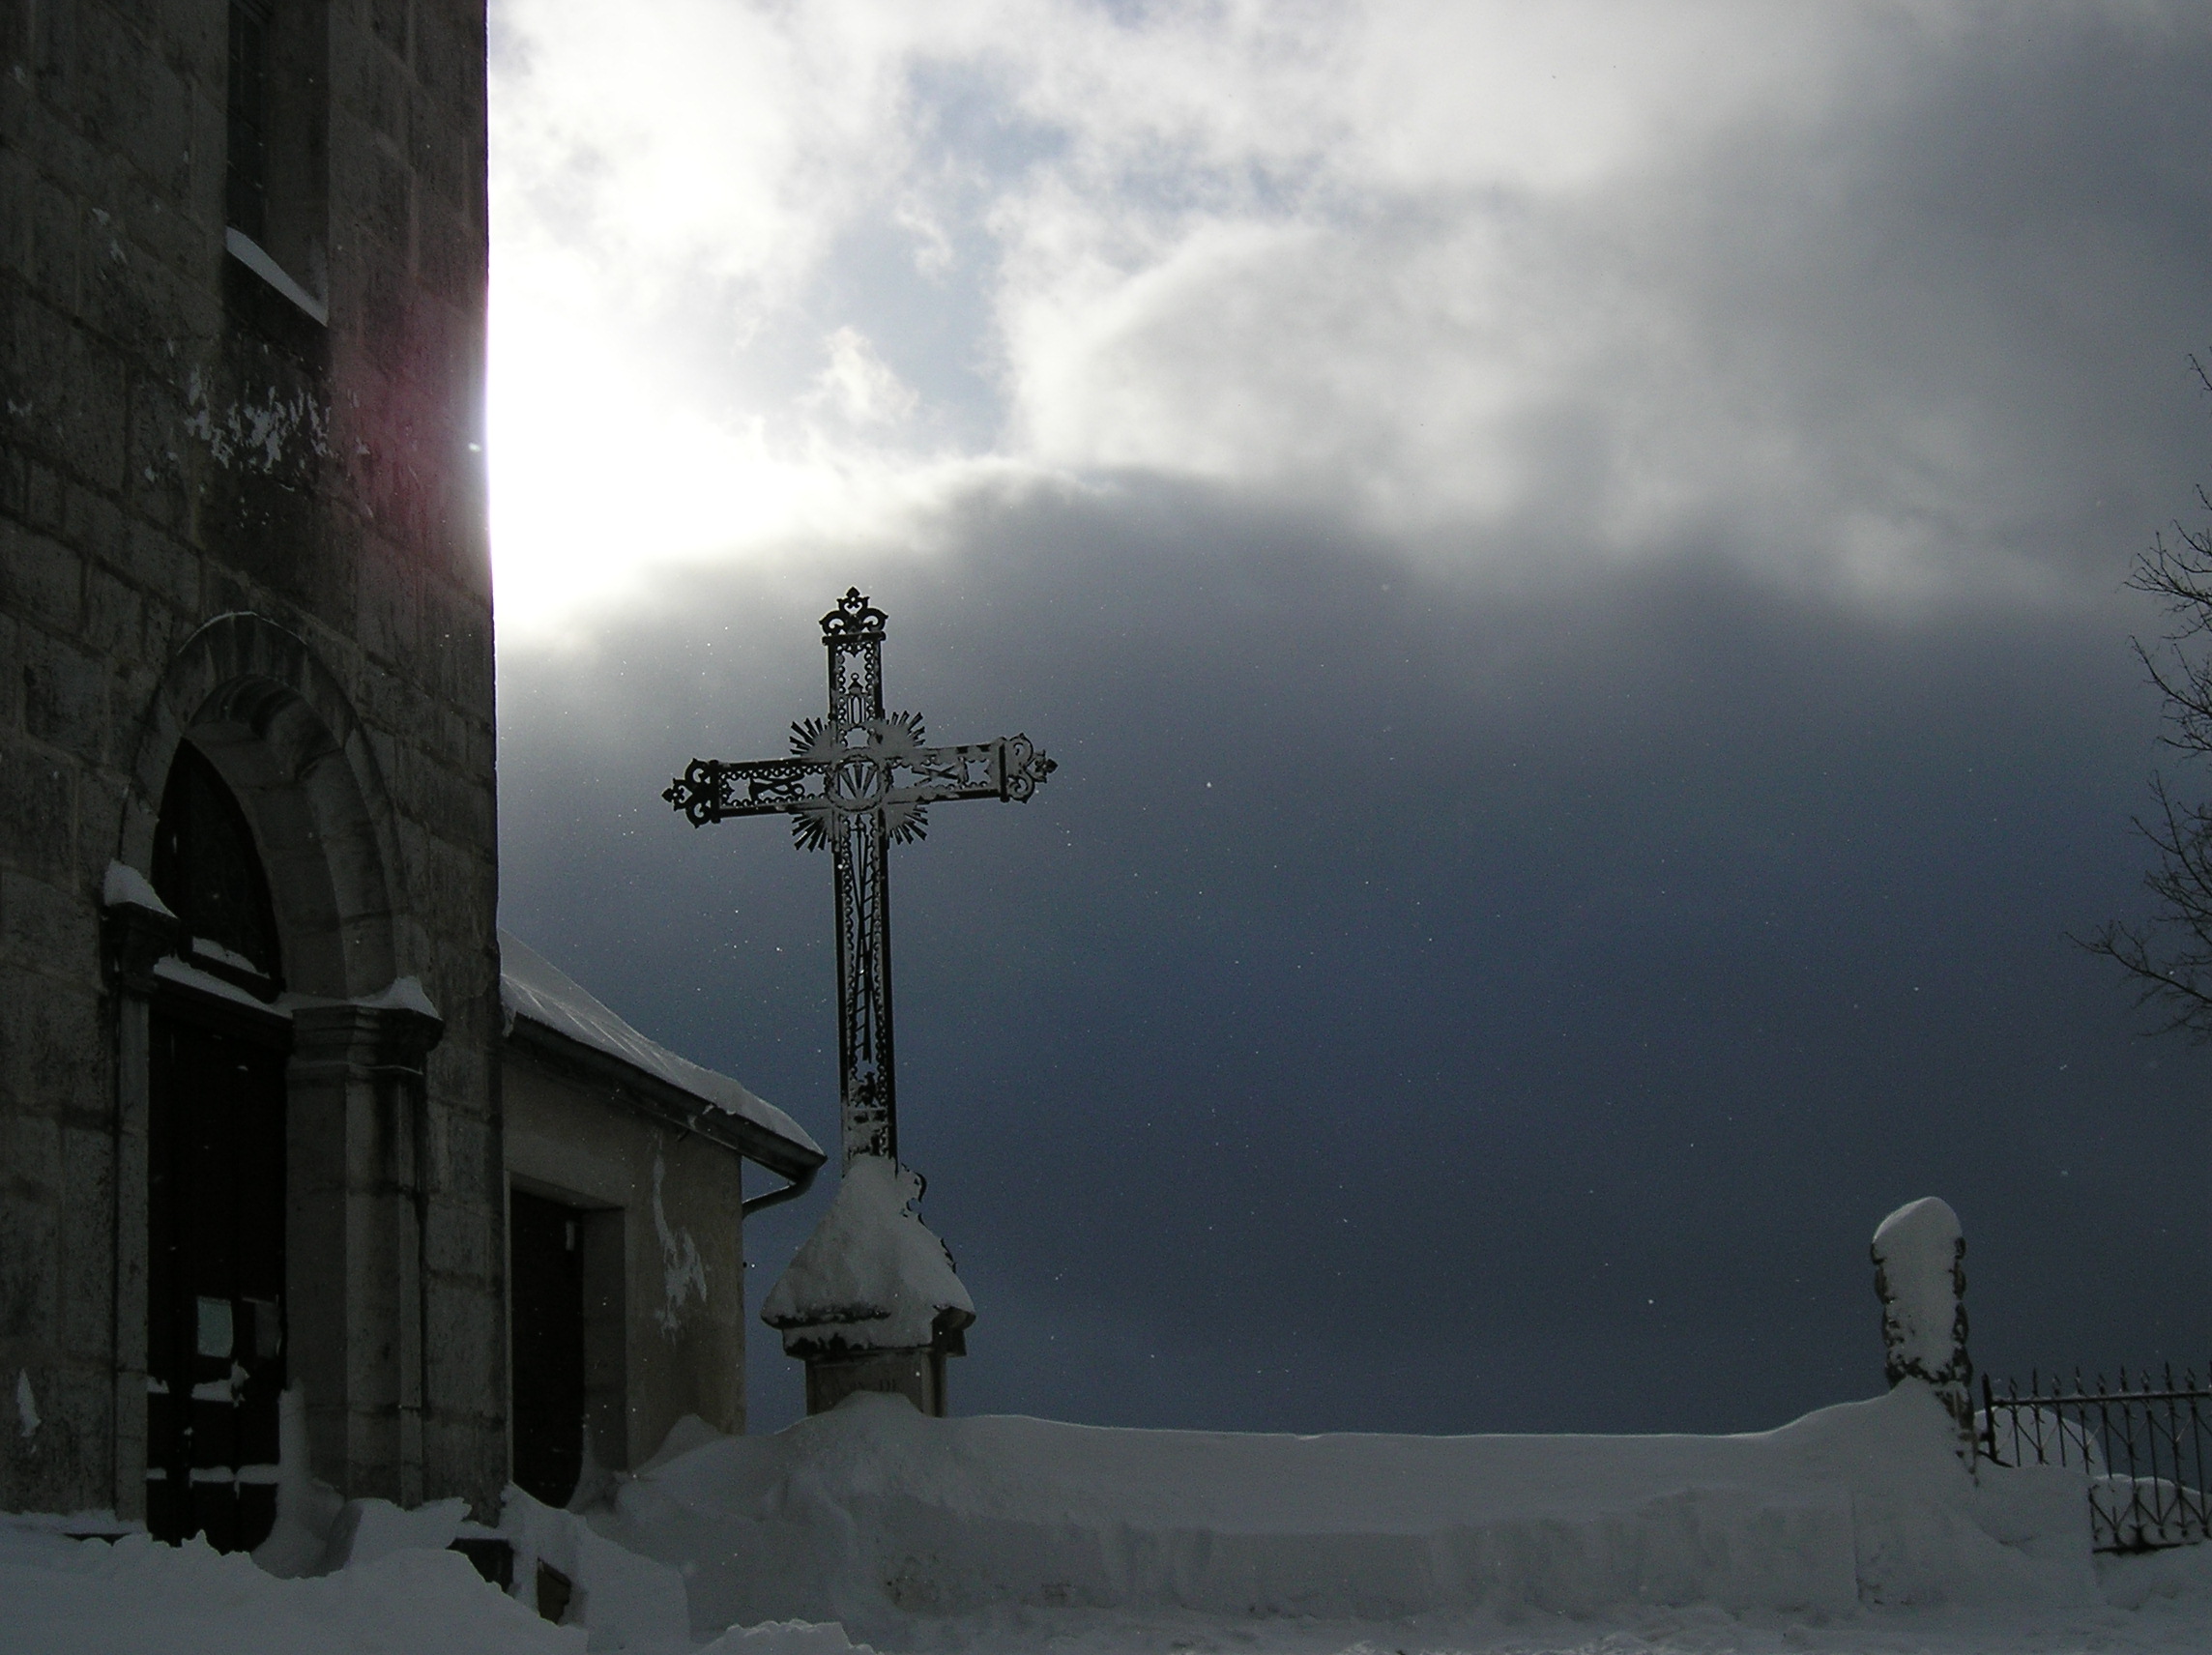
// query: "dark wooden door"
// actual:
[[545, 1286], [214, 1325]]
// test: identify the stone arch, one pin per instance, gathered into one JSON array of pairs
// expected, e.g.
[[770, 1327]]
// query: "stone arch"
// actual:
[[256, 701]]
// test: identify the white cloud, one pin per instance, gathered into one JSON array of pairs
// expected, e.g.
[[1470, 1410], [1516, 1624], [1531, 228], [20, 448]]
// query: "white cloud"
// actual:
[[858, 386], [1606, 280]]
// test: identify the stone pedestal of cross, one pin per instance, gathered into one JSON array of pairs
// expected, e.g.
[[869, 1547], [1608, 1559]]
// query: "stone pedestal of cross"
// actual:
[[861, 780]]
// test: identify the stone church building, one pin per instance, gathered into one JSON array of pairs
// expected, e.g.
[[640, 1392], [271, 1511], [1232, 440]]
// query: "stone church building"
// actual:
[[279, 1117]]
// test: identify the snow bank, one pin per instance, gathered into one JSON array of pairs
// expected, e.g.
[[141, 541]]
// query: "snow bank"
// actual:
[[872, 1515], [872, 1276], [531, 986], [139, 1597], [622, 1601], [786, 1638]]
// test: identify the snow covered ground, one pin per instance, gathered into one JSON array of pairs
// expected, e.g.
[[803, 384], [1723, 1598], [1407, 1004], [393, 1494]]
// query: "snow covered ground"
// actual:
[[1854, 1529]]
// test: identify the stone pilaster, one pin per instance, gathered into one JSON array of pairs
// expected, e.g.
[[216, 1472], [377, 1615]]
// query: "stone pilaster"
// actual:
[[354, 1242]]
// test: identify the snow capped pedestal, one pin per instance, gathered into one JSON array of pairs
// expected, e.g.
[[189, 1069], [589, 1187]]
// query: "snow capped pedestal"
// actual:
[[871, 1301]]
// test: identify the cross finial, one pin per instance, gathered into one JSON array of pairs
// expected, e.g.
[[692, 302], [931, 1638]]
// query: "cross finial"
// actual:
[[855, 618]]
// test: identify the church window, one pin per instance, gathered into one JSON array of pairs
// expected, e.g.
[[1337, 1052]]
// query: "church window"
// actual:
[[276, 186], [246, 183], [207, 870]]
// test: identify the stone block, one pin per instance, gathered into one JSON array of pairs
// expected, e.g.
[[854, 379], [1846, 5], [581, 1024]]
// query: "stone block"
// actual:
[[449, 64], [88, 1244], [94, 523], [95, 414], [157, 133], [100, 795], [371, 88], [389, 611], [196, 37], [432, 794], [473, 1170], [450, 885], [46, 926], [114, 616], [164, 568], [31, 1160], [132, 99], [464, 1347], [35, 814], [66, 696], [460, 1242], [387, 25], [30, 1231], [18, 109], [465, 1454], [55, 241], [45, 495], [19, 191], [34, 354], [209, 117], [384, 201], [53, 1063], [162, 232], [41, 579], [449, 256], [11, 684], [159, 478], [166, 627]]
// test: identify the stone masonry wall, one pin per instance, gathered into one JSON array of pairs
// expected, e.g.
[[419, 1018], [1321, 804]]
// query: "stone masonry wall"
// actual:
[[177, 441]]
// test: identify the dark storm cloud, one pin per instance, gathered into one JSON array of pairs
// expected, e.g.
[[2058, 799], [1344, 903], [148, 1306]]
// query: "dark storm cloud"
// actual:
[[1419, 1003]]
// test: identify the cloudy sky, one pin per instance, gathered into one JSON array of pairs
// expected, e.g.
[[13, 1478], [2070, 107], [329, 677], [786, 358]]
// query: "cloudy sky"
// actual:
[[1573, 560]]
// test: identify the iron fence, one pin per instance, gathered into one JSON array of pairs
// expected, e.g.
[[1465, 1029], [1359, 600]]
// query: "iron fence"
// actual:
[[2141, 1444]]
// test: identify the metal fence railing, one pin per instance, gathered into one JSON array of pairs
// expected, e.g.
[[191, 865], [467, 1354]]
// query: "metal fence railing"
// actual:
[[2145, 1446]]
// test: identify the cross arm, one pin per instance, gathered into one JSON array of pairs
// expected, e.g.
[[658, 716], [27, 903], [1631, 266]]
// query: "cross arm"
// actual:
[[711, 789], [1010, 769]]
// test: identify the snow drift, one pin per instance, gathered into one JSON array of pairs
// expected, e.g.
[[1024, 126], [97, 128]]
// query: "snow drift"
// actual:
[[873, 1515], [139, 1597], [998, 1535]]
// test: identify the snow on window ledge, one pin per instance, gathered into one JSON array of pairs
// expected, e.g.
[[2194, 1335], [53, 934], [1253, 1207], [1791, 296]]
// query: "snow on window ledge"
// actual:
[[247, 251]]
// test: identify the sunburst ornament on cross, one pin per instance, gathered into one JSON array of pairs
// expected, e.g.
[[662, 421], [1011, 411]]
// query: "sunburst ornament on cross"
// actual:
[[858, 781]]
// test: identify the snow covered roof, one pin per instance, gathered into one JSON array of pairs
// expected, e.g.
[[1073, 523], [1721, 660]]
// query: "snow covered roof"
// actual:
[[872, 1276], [536, 991]]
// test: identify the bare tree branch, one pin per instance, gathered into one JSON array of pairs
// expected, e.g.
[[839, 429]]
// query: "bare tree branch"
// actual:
[[2171, 959]]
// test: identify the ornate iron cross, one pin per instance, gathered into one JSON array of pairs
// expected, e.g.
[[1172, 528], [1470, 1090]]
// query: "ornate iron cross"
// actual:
[[858, 781]]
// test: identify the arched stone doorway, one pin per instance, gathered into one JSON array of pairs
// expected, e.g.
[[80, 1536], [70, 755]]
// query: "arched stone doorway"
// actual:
[[271, 1113]]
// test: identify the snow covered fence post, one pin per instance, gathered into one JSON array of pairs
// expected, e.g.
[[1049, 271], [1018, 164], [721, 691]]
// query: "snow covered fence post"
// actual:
[[1920, 1276]]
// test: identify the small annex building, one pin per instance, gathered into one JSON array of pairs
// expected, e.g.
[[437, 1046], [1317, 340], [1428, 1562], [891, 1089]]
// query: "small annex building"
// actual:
[[626, 1264]]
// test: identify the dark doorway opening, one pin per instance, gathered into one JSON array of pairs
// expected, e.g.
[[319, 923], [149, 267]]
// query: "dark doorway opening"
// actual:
[[214, 1256], [214, 1355], [545, 1281]]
